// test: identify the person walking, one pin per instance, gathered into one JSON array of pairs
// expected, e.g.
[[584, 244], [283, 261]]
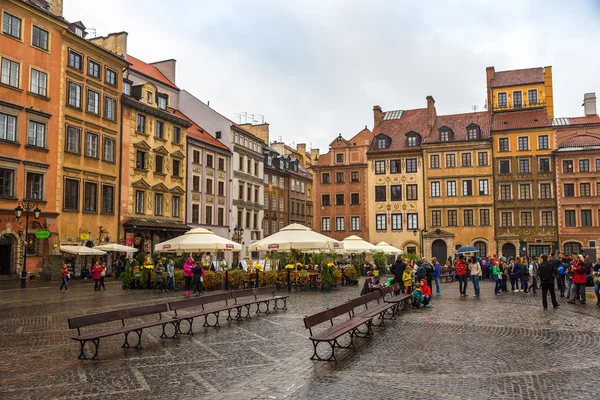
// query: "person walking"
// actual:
[[398, 270], [198, 277], [596, 276], [65, 275], [560, 278], [547, 275], [96, 270], [476, 272], [461, 275], [436, 275], [515, 275], [533, 272], [497, 276], [187, 275], [102, 275], [158, 276], [506, 270], [525, 276], [171, 274], [579, 280]]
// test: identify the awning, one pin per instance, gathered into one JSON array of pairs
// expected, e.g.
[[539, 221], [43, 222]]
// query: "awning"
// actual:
[[155, 224]]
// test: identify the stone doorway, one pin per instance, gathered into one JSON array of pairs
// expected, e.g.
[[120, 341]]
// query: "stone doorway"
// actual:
[[7, 255], [509, 250], [439, 250]]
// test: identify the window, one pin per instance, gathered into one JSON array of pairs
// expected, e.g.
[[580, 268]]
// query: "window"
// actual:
[[395, 192], [451, 188], [597, 164], [570, 218], [176, 205], [74, 95], [93, 69], [339, 199], [503, 144], [450, 160], [91, 145], [339, 177], [547, 218], [502, 102], [524, 166], [339, 224], [218, 134], [325, 224], [209, 189], [109, 149], [11, 26], [221, 218], [325, 178], [265, 202], [177, 137], [506, 218], [108, 199], [110, 108], [7, 182], [532, 96], [412, 221], [195, 183], [544, 165], [584, 165], [160, 127], [545, 191], [221, 162], [472, 133], [585, 190], [10, 73], [525, 191], [412, 141], [568, 166], [381, 143], [396, 222], [598, 191], [467, 188], [209, 160], [39, 82], [93, 102], [468, 219], [158, 164], [434, 161], [158, 204], [71, 195], [8, 126], [526, 218], [380, 167], [411, 165], [75, 60], [483, 187], [452, 218], [354, 176], [517, 99], [90, 197], [274, 203], [354, 198], [282, 183], [484, 217], [435, 189], [36, 135], [140, 160], [221, 189], [339, 158], [466, 160], [523, 143], [325, 200], [543, 142], [572, 248], [141, 123], [162, 103], [355, 221], [411, 192], [139, 202], [196, 158], [381, 222], [444, 136], [482, 159], [569, 190], [505, 166], [505, 192], [436, 218], [126, 88], [586, 218], [110, 77], [380, 193]]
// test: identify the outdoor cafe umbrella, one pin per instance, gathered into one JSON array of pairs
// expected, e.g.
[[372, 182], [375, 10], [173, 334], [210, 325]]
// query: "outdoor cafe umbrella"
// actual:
[[119, 248], [198, 240], [467, 249], [387, 248], [296, 237], [81, 251], [355, 244]]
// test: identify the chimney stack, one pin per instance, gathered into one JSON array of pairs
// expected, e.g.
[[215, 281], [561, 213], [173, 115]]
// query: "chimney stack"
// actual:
[[56, 7], [489, 77], [431, 114], [589, 104], [115, 42], [377, 115]]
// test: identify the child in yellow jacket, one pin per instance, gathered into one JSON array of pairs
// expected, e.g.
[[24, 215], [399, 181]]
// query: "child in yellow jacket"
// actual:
[[407, 279]]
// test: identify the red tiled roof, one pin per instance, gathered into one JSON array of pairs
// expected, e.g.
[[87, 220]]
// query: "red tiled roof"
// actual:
[[588, 119], [458, 123], [197, 132], [581, 141], [520, 120], [411, 120], [150, 71], [518, 77]]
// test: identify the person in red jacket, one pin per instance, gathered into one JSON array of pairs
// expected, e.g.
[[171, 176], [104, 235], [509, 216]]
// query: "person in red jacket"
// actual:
[[96, 271], [426, 293], [461, 275], [579, 279]]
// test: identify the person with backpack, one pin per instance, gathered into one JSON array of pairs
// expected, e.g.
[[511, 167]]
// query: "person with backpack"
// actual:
[[428, 268], [515, 275], [436, 275], [461, 275], [398, 270], [533, 272], [547, 274], [497, 276], [560, 278]]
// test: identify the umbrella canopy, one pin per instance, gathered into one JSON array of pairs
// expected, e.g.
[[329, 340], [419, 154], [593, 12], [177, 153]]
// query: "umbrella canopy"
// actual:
[[355, 244], [296, 237], [119, 248], [387, 248], [467, 249], [198, 240], [81, 250]]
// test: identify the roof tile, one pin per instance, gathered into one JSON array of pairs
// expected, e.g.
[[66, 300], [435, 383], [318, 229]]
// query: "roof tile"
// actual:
[[149, 70], [411, 120], [458, 123], [580, 141], [520, 120], [518, 77], [197, 132]]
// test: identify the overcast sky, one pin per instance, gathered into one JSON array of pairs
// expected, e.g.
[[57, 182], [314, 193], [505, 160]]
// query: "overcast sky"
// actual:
[[315, 68]]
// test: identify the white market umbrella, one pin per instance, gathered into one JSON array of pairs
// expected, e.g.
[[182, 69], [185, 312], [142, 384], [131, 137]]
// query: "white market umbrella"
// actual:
[[355, 244], [82, 250], [296, 237], [119, 248], [387, 248], [198, 240]]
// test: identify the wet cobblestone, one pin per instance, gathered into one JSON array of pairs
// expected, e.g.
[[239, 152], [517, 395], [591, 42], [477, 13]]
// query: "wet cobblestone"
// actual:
[[503, 347]]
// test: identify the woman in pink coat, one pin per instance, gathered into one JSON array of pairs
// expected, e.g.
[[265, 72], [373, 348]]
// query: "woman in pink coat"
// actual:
[[187, 275]]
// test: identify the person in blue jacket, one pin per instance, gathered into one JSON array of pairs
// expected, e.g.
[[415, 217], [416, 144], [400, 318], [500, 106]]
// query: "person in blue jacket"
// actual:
[[436, 275]]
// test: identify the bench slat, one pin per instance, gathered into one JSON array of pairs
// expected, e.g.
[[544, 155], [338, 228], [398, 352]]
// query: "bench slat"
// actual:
[[327, 315], [117, 315], [199, 301]]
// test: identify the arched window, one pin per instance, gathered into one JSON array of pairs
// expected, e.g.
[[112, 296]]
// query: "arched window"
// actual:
[[572, 248], [482, 247]]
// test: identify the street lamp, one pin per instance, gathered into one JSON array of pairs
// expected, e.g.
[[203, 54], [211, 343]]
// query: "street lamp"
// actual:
[[238, 231], [28, 208], [422, 231]]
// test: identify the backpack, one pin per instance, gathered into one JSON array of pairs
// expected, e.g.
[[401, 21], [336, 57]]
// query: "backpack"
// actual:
[[428, 269], [561, 270]]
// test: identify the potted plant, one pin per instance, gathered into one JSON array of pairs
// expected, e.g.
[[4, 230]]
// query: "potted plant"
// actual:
[[351, 273], [327, 276], [236, 278]]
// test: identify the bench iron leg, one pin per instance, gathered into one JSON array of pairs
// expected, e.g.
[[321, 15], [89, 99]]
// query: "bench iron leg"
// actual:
[[317, 357], [216, 324], [175, 327], [189, 331], [139, 342], [82, 355]]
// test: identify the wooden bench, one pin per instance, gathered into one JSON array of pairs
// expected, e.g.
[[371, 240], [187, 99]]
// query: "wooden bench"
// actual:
[[380, 309], [119, 315], [447, 274], [401, 300], [201, 301], [336, 330], [275, 298]]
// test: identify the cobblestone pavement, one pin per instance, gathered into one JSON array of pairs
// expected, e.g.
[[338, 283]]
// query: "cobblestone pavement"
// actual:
[[503, 347]]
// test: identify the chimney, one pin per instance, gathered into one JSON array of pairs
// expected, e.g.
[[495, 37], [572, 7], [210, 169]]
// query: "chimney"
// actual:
[[431, 114], [314, 155], [167, 67], [589, 104], [115, 42], [489, 77], [55, 7], [377, 115], [301, 147]]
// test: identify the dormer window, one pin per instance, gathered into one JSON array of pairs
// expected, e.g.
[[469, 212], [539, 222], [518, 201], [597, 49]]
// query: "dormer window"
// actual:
[[78, 31], [149, 97], [126, 88], [269, 161], [412, 139], [444, 136], [382, 141], [162, 102], [472, 132]]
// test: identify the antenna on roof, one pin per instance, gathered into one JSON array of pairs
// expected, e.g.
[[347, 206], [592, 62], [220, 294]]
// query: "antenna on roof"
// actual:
[[262, 118], [475, 107], [245, 114], [485, 104], [91, 30], [239, 118]]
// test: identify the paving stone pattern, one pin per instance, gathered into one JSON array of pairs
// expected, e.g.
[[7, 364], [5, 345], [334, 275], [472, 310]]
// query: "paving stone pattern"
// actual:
[[504, 347]]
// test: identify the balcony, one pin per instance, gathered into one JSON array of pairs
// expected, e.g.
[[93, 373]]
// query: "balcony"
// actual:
[[524, 106]]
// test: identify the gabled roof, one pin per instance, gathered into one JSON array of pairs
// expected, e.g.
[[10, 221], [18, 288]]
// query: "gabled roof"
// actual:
[[177, 190], [517, 77], [160, 150], [177, 154], [142, 145], [458, 124], [141, 183], [195, 131], [149, 71], [520, 120], [410, 120], [160, 187], [580, 141]]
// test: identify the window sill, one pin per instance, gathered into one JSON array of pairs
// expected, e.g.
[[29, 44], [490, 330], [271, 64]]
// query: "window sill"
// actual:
[[142, 133], [8, 198], [92, 113], [108, 161], [160, 174], [75, 153], [176, 177], [160, 138], [40, 96], [11, 87], [89, 212], [35, 201], [10, 142], [70, 210], [109, 119], [140, 170], [18, 39], [74, 107], [107, 213], [30, 147], [92, 157]]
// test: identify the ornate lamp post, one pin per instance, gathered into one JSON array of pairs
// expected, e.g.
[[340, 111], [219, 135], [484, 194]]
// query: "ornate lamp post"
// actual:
[[238, 231], [422, 232], [28, 208]]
